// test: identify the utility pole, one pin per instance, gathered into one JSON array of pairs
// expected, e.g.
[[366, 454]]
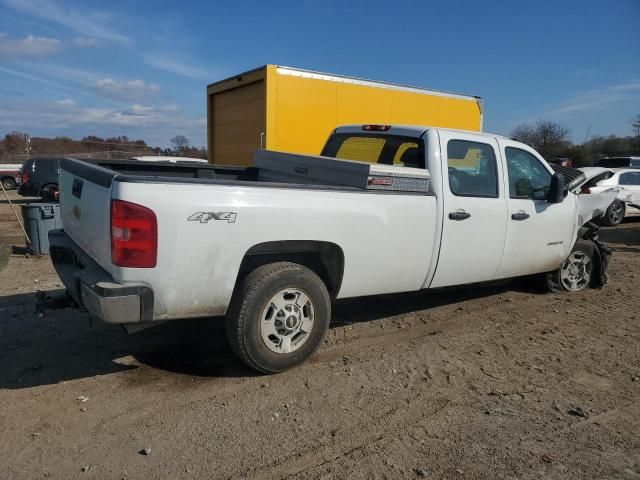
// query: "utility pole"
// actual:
[[587, 135], [27, 144]]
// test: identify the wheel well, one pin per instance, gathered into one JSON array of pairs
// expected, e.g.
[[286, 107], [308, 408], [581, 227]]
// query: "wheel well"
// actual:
[[7, 177], [324, 258]]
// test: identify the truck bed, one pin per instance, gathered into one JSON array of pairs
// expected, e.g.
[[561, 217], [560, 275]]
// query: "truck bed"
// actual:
[[276, 169]]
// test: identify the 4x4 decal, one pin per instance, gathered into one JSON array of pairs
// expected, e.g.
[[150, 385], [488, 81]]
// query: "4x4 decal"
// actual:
[[204, 217]]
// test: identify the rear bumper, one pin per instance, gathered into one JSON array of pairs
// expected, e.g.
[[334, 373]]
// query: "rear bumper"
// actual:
[[27, 190], [93, 288]]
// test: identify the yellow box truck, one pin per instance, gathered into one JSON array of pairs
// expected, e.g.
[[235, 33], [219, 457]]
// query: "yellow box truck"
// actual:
[[294, 110]]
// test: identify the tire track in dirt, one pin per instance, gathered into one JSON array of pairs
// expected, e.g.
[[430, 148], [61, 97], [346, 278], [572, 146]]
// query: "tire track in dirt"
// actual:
[[389, 424]]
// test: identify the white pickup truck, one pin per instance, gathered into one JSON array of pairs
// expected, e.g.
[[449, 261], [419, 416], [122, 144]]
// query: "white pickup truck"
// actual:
[[270, 246]]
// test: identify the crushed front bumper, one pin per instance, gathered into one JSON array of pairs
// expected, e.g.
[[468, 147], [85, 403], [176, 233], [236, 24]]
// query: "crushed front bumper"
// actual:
[[90, 286]]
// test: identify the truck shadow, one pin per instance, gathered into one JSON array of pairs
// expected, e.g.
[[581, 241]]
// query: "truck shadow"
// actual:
[[63, 345], [627, 233]]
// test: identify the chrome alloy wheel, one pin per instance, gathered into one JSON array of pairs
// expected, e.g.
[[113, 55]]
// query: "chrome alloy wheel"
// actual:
[[575, 273], [287, 320], [615, 213]]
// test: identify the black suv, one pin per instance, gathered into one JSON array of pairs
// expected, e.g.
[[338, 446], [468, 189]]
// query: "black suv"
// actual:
[[40, 178]]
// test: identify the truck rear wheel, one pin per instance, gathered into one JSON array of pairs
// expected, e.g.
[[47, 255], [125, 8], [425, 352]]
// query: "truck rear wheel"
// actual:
[[278, 316], [577, 271]]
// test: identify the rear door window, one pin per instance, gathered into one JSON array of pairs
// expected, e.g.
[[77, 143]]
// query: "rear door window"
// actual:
[[388, 149], [472, 169]]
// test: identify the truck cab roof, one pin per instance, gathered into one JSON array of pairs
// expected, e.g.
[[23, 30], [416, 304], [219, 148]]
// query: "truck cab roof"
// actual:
[[406, 130]]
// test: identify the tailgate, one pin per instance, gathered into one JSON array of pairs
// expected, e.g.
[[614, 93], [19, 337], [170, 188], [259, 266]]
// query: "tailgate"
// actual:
[[85, 202]]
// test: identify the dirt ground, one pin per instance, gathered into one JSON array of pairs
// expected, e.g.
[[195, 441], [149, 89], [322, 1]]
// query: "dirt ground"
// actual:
[[484, 382]]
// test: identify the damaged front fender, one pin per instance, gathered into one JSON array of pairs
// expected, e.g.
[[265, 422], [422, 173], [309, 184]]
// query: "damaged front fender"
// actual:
[[591, 206]]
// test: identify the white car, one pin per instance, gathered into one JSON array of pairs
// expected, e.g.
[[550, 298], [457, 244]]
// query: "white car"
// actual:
[[627, 203], [272, 245]]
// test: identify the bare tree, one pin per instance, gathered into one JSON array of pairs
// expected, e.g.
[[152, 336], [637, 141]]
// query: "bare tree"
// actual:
[[548, 138], [180, 142], [525, 133], [635, 126]]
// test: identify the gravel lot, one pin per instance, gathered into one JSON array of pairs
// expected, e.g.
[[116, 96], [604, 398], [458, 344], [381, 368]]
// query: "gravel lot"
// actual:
[[483, 382]]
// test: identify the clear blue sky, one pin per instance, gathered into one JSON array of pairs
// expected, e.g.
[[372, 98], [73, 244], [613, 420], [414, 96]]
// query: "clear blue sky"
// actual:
[[140, 68]]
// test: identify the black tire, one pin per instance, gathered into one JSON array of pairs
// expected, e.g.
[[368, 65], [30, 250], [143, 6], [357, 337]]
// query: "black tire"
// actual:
[[250, 302], [614, 214], [560, 280], [48, 193], [8, 183]]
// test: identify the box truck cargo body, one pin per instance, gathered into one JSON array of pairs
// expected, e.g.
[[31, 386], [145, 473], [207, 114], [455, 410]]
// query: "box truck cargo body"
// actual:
[[294, 110]]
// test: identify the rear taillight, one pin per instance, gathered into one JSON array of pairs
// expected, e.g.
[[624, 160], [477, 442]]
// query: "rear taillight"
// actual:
[[584, 189], [134, 235], [25, 177]]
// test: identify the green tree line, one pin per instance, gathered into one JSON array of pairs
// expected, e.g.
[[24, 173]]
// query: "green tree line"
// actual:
[[551, 140]]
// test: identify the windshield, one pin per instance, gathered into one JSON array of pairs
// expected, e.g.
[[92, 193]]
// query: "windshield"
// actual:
[[376, 148]]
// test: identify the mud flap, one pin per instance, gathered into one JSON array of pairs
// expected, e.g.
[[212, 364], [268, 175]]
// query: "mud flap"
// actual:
[[601, 259]]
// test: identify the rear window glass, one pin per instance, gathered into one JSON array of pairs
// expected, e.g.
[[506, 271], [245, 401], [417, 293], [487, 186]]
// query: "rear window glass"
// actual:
[[365, 149], [27, 166], [374, 148], [47, 164]]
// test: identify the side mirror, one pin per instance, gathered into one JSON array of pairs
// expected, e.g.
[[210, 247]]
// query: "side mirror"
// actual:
[[556, 189]]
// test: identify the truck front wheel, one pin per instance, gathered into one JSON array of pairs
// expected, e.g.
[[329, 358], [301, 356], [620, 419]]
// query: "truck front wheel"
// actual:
[[577, 272], [278, 316]]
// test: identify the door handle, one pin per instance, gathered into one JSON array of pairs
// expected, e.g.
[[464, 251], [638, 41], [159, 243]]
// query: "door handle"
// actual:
[[459, 215], [520, 216]]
